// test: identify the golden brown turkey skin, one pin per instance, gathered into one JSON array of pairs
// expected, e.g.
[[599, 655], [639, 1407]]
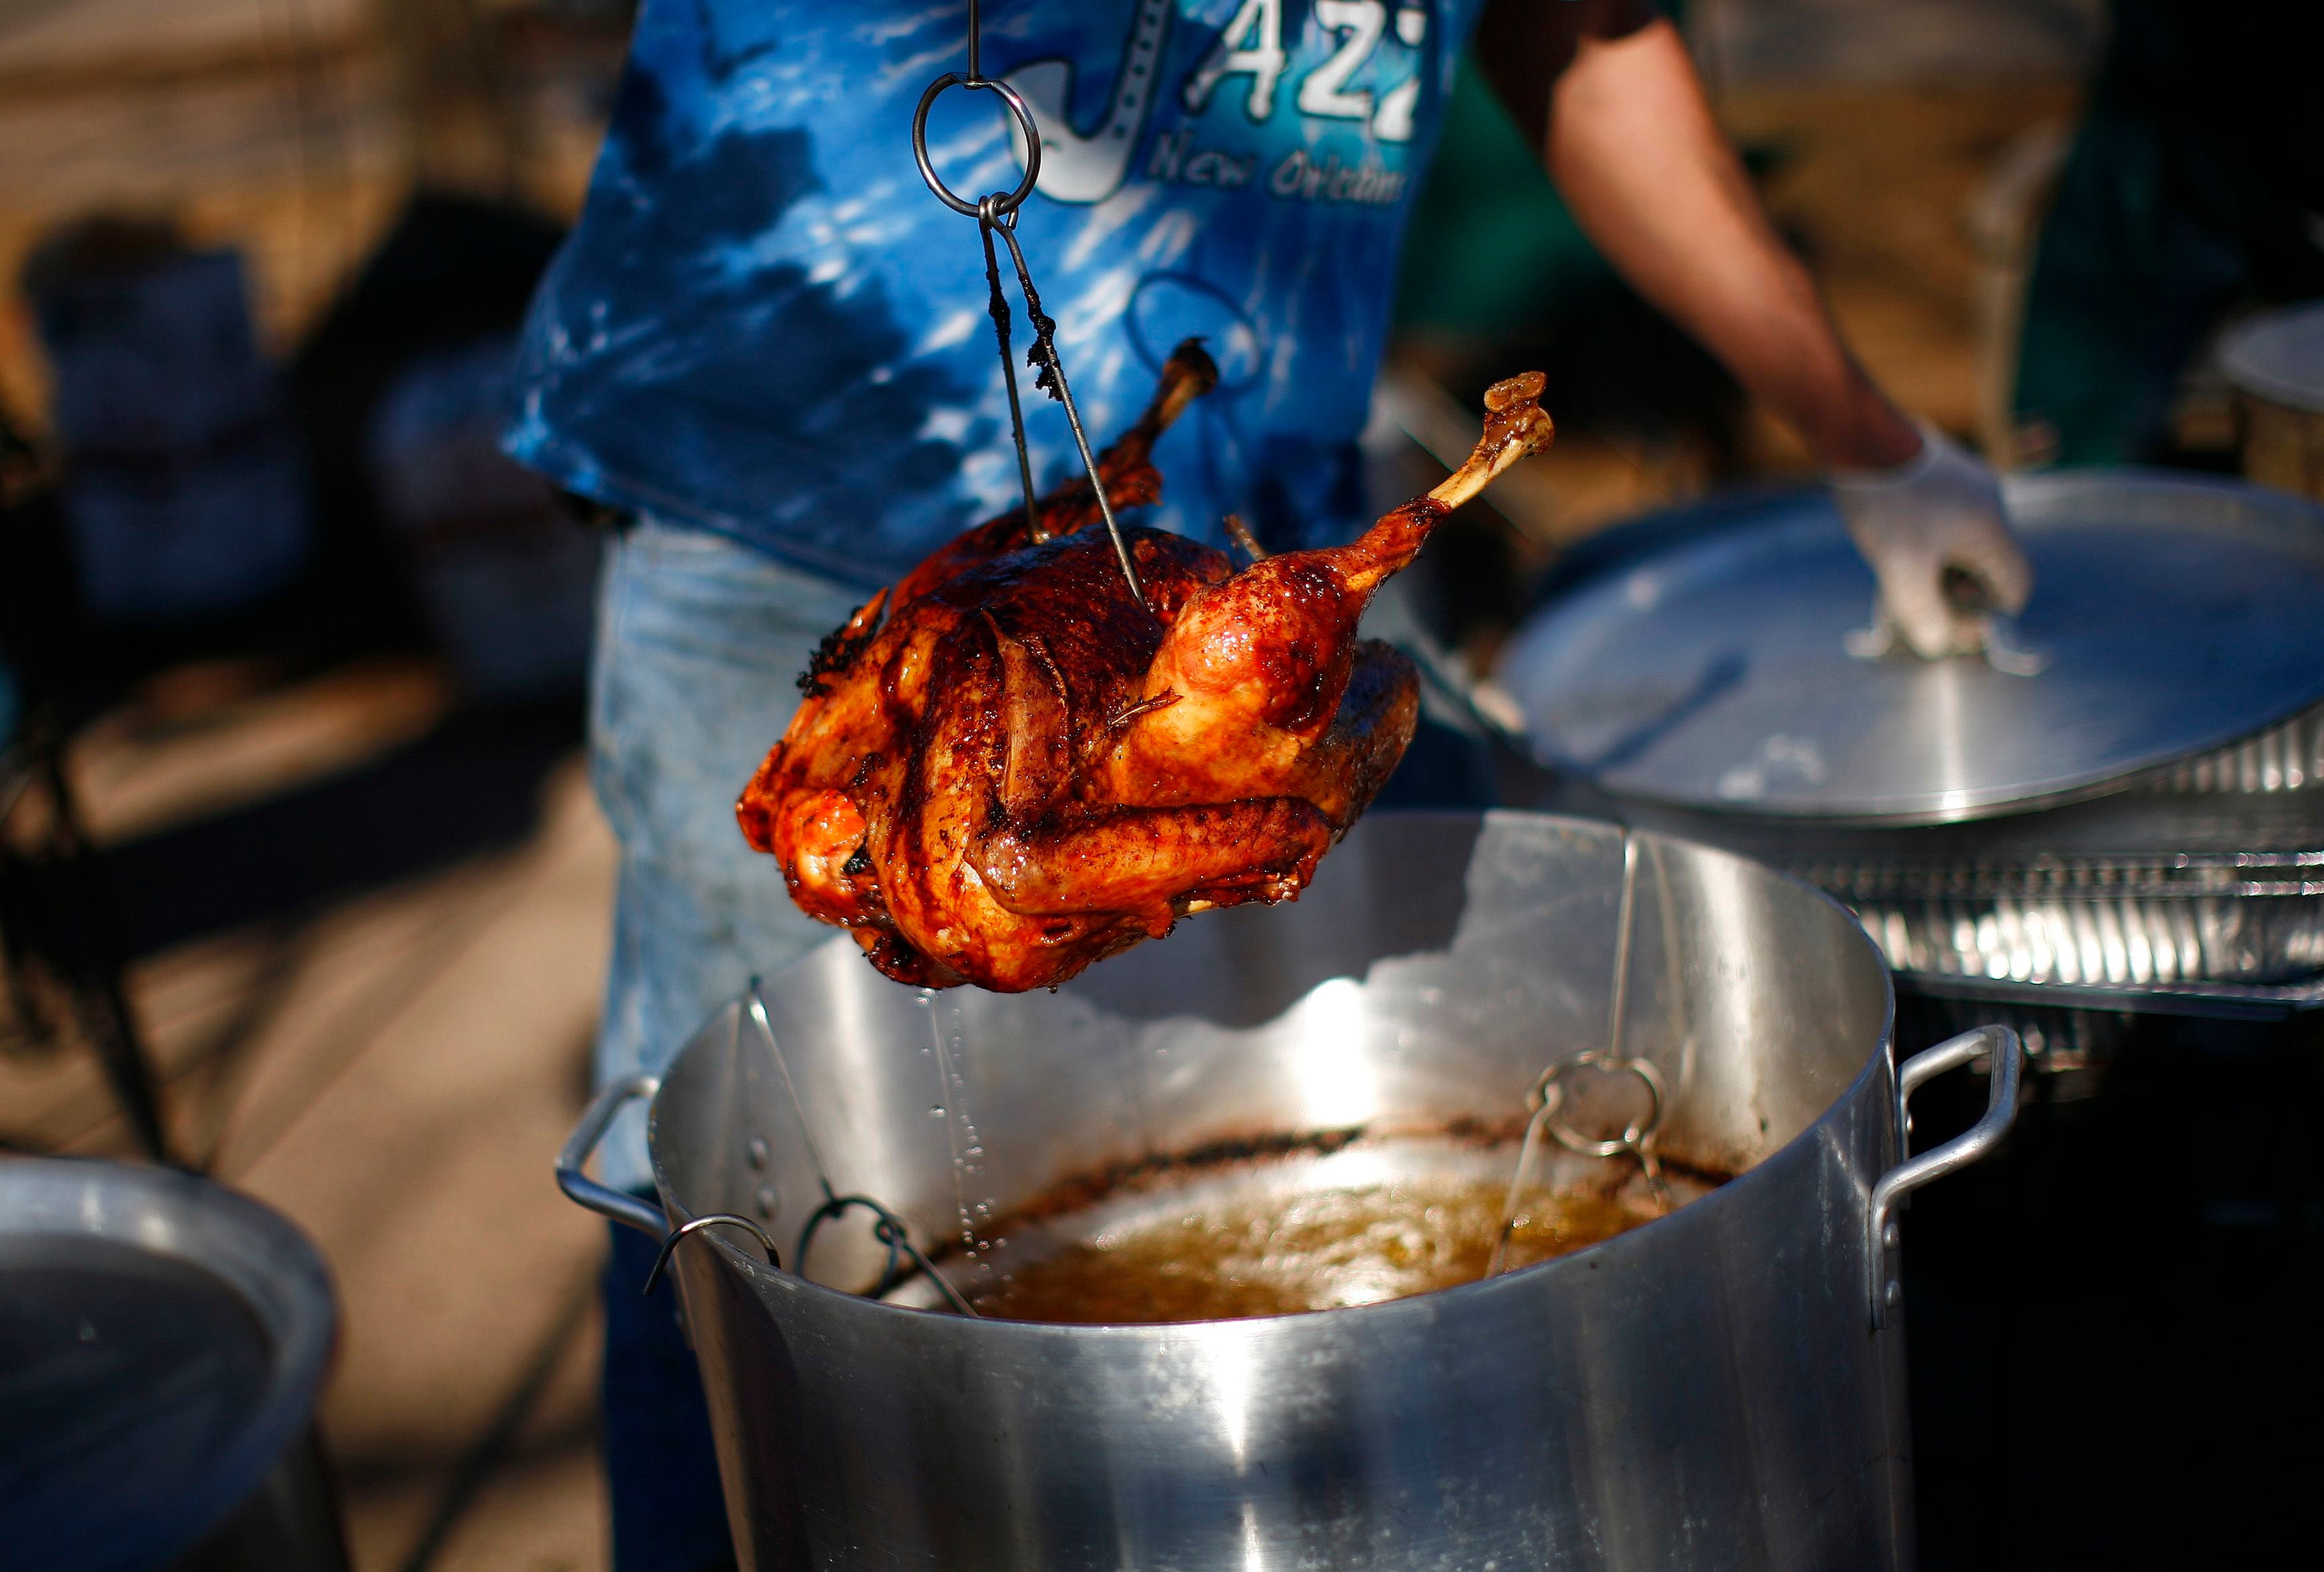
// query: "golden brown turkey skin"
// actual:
[[1006, 767]]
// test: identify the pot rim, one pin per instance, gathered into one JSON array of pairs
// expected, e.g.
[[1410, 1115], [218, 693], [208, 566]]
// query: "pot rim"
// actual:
[[1425, 1304], [273, 1272]]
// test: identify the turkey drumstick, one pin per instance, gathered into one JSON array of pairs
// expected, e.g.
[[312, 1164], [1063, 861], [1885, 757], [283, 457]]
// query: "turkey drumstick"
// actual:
[[1255, 668]]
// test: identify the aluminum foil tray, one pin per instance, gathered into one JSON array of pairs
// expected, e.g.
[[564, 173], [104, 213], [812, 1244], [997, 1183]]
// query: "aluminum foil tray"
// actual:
[[2216, 925], [2203, 892], [2283, 758], [2216, 949]]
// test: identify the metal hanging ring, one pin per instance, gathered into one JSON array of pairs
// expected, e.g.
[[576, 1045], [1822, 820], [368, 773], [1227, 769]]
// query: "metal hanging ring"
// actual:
[[661, 1256], [1632, 1139], [1002, 205]]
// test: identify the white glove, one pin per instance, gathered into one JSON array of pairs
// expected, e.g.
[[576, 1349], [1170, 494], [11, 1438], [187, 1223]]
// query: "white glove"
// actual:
[[1933, 530]]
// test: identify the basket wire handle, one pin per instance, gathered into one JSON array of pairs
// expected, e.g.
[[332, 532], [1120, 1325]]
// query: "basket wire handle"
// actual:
[[887, 1228], [754, 1005], [1547, 1097], [996, 214]]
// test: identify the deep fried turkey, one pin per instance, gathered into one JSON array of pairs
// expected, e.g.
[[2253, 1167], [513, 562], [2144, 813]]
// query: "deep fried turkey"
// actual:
[[1006, 767]]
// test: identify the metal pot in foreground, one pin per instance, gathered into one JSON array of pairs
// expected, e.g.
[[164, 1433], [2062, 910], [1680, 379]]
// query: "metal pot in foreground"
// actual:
[[1723, 1387], [162, 1341]]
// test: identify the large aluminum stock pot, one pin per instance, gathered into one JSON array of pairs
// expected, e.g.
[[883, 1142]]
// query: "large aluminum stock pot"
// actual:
[[1723, 1387]]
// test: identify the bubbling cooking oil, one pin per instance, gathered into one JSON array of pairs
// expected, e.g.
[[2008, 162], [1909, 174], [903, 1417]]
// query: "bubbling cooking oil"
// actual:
[[1314, 1249]]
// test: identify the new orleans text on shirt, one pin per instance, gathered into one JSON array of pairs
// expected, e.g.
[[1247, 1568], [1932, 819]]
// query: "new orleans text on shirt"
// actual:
[[1176, 161], [1362, 62]]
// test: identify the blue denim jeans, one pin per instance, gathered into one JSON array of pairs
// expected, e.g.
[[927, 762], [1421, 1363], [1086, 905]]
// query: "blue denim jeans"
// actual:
[[698, 643], [661, 1468]]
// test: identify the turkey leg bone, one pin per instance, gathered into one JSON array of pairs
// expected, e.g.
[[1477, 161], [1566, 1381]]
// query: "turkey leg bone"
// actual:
[[1246, 689]]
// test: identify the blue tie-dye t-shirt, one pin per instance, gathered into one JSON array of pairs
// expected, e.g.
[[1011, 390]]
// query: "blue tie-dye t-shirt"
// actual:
[[766, 325]]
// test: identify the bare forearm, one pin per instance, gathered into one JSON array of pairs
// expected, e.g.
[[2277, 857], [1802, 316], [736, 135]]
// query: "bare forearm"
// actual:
[[1632, 143]]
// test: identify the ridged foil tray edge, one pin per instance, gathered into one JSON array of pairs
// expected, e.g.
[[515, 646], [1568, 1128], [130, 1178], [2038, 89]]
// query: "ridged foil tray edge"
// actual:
[[2152, 945]]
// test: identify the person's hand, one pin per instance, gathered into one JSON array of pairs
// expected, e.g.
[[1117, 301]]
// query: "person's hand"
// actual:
[[1934, 533]]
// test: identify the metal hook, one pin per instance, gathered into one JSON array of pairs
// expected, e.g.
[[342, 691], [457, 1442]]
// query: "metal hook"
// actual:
[[1043, 354], [998, 212], [661, 1256], [989, 217]]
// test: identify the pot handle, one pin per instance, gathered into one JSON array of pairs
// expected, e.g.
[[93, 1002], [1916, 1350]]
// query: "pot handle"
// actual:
[[595, 1120], [1910, 1175]]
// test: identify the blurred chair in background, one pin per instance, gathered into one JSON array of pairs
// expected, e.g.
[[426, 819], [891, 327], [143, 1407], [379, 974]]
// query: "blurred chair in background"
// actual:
[[62, 962], [193, 537], [184, 491], [453, 271]]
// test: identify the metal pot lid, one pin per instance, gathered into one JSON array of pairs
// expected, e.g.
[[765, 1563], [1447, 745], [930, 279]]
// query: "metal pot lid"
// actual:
[[1712, 671], [2279, 356], [162, 1343]]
